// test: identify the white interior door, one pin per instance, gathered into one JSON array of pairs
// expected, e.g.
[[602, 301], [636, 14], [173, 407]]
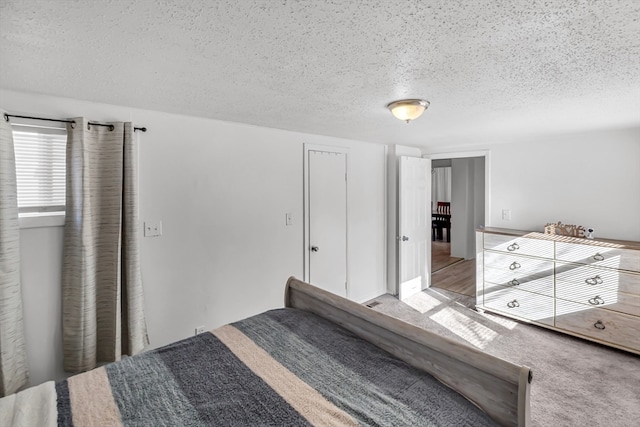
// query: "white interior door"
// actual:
[[414, 225], [327, 216]]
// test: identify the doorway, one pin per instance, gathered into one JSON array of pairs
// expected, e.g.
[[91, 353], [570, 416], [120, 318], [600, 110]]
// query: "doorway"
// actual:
[[469, 204], [326, 218], [441, 207]]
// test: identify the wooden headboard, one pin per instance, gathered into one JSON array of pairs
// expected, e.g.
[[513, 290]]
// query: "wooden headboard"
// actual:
[[498, 387]]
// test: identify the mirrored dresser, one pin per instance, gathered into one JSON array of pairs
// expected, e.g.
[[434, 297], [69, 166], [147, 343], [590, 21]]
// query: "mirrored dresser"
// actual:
[[589, 288]]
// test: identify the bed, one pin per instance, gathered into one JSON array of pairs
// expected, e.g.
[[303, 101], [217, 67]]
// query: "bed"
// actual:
[[321, 360]]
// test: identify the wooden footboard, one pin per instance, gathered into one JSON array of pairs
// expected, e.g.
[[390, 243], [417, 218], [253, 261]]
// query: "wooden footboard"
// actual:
[[498, 387]]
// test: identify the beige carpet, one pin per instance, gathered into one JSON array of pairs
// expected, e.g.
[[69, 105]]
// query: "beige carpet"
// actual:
[[575, 382]]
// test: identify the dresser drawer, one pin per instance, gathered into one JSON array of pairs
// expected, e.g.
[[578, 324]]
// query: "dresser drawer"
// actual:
[[517, 264], [598, 323], [607, 298], [526, 305], [519, 245], [529, 274], [617, 258], [597, 278]]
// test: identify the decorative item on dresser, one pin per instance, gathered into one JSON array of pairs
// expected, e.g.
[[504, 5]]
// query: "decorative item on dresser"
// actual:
[[583, 287], [565, 229]]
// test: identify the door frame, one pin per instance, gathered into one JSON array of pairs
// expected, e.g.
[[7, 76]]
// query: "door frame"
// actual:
[[487, 178], [487, 174], [306, 208]]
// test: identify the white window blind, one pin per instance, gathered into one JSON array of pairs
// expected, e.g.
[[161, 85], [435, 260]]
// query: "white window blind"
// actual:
[[40, 168]]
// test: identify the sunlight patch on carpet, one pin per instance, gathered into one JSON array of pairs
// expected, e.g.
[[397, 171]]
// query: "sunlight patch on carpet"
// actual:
[[422, 302], [466, 328], [502, 321]]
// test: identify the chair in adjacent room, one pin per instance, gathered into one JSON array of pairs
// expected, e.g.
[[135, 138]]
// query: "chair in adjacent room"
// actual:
[[441, 220], [444, 208]]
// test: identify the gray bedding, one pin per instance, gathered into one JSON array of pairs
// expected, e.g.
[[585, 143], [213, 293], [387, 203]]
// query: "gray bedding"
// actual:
[[282, 367]]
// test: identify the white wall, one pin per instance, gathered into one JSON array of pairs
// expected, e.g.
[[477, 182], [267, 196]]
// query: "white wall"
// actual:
[[467, 204], [462, 208], [590, 179], [41, 257], [478, 194], [221, 191], [367, 253]]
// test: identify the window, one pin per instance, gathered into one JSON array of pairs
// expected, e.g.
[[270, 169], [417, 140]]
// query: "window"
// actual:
[[40, 173]]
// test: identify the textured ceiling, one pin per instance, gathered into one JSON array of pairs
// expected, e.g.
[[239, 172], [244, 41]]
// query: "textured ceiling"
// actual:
[[492, 70]]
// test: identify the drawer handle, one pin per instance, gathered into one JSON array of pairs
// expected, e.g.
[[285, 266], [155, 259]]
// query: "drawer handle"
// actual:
[[513, 247], [599, 325], [513, 304], [595, 280], [598, 257], [513, 282], [596, 300], [514, 265]]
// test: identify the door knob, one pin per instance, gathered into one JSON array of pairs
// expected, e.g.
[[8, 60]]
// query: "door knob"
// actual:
[[405, 238], [314, 249]]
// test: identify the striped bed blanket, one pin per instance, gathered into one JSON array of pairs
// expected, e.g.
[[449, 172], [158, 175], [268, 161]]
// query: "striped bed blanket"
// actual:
[[279, 368]]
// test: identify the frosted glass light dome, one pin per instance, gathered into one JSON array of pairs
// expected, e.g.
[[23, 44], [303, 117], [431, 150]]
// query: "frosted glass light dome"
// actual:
[[408, 109]]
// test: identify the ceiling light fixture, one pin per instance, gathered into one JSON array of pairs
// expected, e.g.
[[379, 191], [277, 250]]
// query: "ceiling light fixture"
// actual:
[[408, 109]]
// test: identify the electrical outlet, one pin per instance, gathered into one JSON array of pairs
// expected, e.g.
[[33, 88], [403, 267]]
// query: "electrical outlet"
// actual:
[[200, 329], [152, 228], [289, 218], [506, 214]]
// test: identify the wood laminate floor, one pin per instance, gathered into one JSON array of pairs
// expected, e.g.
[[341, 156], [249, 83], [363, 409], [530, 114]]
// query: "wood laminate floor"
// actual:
[[459, 277], [451, 273], [441, 256]]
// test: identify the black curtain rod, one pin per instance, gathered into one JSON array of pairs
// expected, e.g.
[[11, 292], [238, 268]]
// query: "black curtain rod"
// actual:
[[73, 122]]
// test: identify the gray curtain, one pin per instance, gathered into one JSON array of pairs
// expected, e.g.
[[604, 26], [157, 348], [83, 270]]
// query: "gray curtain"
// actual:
[[14, 371], [102, 297]]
